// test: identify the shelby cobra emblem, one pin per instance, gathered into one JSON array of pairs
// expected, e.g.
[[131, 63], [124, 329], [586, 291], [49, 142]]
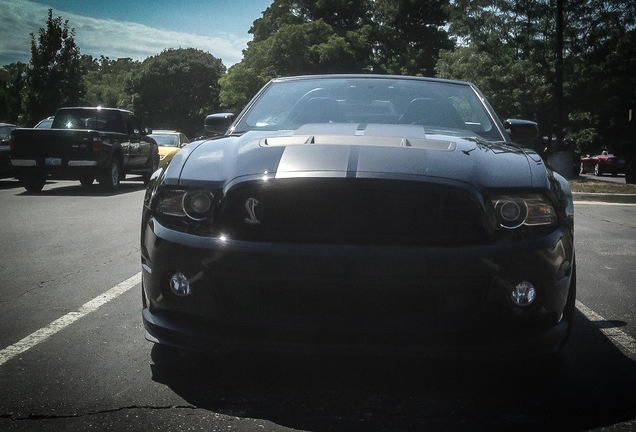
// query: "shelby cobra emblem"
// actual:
[[250, 206]]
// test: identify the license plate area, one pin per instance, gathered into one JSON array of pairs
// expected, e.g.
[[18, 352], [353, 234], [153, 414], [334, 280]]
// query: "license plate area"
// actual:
[[53, 161]]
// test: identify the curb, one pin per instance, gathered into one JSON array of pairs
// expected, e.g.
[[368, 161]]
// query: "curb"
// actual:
[[601, 197]]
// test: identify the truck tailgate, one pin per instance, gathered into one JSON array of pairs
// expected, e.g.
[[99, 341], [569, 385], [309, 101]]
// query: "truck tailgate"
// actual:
[[56, 143]]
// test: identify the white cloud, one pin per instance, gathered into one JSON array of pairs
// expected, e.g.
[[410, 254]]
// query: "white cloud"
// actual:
[[109, 38]]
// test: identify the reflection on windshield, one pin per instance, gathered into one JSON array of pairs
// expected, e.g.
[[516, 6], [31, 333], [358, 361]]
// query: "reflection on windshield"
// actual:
[[437, 106], [166, 140], [99, 120]]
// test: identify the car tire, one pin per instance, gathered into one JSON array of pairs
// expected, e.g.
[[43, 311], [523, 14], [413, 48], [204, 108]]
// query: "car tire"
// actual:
[[154, 166], [111, 176], [598, 171], [86, 181], [33, 182]]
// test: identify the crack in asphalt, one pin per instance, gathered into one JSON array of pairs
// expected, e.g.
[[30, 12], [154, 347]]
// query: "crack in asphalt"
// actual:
[[588, 215], [32, 417], [65, 277]]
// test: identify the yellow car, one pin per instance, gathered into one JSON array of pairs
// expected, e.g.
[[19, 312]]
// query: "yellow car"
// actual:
[[169, 142]]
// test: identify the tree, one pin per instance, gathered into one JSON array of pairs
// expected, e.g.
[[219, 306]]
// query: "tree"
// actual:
[[54, 75], [176, 89], [409, 35], [342, 16]]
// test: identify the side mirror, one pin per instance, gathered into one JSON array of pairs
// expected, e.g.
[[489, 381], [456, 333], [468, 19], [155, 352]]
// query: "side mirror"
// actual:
[[218, 124], [522, 131]]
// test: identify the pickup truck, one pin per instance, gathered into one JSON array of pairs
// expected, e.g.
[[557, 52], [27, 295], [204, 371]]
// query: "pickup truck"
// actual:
[[84, 144]]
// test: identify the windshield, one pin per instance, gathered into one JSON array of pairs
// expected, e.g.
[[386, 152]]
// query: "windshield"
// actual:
[[438, 106], [166, 140], [94, 119]]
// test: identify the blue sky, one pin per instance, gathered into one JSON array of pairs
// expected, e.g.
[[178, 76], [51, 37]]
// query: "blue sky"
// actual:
[[134, 28]]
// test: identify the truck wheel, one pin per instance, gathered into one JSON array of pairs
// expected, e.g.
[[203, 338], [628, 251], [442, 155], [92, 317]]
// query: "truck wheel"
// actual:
[[153, 167], [86, 181], [111, 175], [33, 182]]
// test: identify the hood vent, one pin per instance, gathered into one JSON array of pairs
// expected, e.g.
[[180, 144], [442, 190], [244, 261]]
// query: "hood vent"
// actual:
[[357, 140]]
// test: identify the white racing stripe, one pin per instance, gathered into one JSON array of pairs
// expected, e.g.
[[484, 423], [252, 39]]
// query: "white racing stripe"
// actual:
[[59, 324], [622, 340]]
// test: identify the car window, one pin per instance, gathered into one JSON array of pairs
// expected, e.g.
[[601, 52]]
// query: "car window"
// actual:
[[99, 120], [169, 140], [4, 132], [132, 124], [44, 124], [287, 105]]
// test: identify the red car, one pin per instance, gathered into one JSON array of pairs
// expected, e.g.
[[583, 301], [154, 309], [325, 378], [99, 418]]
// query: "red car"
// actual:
[[601, 162]]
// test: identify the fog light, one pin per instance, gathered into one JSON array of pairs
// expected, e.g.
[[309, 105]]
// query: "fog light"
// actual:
[[524, 294], [180, 285]]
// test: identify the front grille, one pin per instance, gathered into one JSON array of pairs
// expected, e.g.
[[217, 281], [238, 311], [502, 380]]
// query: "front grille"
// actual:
[[372, 305], [352, 211]]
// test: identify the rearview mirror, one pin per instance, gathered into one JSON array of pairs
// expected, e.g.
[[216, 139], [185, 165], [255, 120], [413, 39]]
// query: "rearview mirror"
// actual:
[[218, 124], [522, 131]]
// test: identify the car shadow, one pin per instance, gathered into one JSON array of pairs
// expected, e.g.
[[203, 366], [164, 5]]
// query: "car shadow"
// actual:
[[69, 188], [589, 385]]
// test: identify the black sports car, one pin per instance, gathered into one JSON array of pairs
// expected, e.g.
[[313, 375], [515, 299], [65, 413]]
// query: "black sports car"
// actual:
[[360, 213]]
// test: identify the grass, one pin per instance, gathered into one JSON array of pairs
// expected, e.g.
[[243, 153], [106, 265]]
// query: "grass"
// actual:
[[585, 184]]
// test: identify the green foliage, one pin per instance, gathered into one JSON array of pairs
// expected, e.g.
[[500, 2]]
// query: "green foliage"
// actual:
[[307, 48], [176, 89], [54, 75], [341, 15], [106, 79], [408, 35]]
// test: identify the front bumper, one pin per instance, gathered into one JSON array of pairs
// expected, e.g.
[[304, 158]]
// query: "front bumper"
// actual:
[[346, 299]]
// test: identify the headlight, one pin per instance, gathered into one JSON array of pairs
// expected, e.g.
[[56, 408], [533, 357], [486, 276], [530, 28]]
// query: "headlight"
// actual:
[[529, 210], [196, 205]]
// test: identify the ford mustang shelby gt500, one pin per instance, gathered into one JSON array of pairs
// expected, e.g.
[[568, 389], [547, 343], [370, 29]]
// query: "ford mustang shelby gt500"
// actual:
[[360, 213]]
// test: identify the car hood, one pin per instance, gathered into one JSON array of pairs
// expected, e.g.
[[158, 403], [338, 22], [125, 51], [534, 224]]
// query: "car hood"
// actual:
[[357, 151]]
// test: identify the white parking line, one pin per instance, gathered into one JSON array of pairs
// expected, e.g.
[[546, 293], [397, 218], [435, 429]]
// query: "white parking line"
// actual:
[[44, 333], [622, 340], [601, 203]]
